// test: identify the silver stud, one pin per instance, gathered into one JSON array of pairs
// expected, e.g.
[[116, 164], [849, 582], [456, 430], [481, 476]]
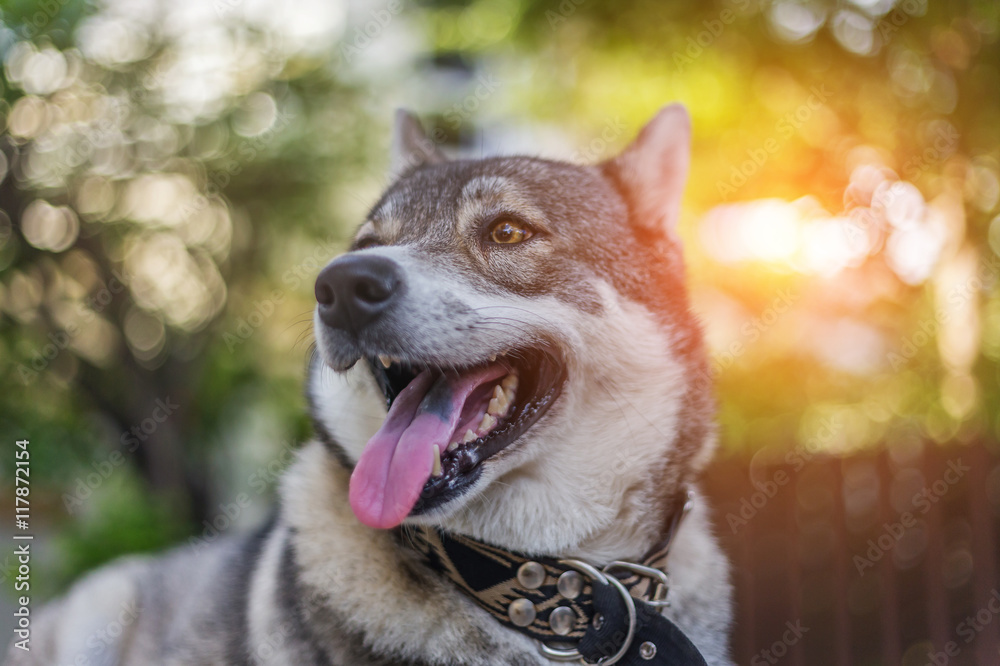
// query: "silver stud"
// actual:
[[598, 621], [562, 619], [531, 575], [647, 650], [570, 585], [521, 612]]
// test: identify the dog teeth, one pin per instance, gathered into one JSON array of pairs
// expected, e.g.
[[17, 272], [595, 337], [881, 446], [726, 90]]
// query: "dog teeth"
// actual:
[[493, 358], [487, 423], [469, 437], [436, 471], [509, 383], [453, 446], [499, 403], [385, 361]]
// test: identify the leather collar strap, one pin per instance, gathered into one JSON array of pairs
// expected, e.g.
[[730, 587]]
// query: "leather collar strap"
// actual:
[[575, 611]]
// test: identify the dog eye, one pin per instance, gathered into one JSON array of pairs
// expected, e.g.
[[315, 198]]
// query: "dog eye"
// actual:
[[510, 231]]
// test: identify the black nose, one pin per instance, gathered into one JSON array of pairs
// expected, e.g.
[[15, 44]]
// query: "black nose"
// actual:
[[355, 289]]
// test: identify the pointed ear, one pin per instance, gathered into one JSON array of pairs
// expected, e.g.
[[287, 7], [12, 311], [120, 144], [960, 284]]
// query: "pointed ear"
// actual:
[[653, 169], [410, 146]]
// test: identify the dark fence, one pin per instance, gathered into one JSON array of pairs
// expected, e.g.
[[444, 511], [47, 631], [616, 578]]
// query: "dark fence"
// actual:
[[888, 557]]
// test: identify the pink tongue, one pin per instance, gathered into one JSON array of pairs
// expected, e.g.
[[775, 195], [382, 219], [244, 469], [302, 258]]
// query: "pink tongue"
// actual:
[[397, 461]]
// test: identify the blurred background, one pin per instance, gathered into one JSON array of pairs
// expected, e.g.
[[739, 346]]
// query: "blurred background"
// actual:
[[174, 173]]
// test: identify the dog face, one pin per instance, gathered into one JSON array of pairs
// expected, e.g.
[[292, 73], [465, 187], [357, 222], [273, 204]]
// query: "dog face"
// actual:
[[506, 350]]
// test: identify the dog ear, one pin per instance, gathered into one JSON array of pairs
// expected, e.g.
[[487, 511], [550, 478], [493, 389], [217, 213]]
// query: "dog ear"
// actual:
[[411, 148], [653, 169]]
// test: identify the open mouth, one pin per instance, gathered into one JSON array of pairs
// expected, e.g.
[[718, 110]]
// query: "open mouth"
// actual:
[[443, 424]]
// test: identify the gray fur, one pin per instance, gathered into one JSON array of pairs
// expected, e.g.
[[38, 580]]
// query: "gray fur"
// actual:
[[604, 283]]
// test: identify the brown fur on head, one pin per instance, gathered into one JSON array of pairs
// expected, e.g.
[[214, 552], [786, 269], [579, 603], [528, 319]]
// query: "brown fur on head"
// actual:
[[601, 282]]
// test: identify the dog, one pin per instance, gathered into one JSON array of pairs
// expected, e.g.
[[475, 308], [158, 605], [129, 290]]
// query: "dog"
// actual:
[[507, 381]]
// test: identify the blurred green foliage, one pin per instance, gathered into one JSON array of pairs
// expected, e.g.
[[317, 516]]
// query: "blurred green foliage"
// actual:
[[174, 174]]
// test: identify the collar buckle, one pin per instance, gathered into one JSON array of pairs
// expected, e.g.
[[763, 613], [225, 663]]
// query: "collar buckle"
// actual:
[[659, 581]]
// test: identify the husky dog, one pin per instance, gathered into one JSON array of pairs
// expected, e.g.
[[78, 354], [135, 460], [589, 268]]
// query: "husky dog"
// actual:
[[506, 354]]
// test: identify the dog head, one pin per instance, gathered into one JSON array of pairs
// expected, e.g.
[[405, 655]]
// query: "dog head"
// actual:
[[507, 350]]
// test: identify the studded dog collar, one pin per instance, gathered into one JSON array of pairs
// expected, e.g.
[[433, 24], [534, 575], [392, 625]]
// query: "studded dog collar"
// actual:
[[575, 611]]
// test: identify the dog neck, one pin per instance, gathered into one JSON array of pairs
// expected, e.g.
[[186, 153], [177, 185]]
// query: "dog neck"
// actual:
[[437, 544]]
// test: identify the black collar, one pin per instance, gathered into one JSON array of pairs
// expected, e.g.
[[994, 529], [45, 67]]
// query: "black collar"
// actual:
[[575, 611]]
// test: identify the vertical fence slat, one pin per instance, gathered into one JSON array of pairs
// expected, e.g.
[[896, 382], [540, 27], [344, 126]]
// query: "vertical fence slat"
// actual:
[[936, 595], [842, 617], [892, 651], [987, 648], [748, 618], [794, 570]]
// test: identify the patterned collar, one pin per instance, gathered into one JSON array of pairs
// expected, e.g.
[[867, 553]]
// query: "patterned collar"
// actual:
[[574, 610]]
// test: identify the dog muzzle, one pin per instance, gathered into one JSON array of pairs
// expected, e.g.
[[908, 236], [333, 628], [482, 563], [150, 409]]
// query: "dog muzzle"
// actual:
[[577, 612]]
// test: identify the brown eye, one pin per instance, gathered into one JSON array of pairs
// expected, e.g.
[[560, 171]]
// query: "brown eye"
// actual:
[[510, 231]]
